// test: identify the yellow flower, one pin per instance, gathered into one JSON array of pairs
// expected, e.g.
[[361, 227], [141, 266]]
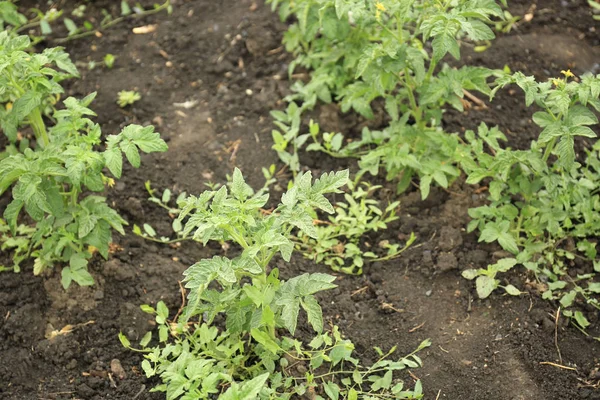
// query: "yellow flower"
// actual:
[[380, 7], [567, 73], [556, 82], [108, 181]]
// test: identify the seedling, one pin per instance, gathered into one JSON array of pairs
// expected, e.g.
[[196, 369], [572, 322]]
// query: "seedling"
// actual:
[[509, 22], [486, 281], [128, 97], [109, 60], [245, 355]]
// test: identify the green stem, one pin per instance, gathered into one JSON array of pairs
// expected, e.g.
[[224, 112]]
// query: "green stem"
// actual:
[[385, 28], [416, 110], [39, 128], [549, 149], [178, 240], [74, 196], [519, 222], [32, 24]]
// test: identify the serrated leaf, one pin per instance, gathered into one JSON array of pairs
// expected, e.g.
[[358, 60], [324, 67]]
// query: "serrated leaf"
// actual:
[[314, 313], [114, 161], [132, 153]]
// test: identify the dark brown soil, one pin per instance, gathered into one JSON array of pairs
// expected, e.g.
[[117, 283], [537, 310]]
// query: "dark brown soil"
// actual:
[[212, 53]]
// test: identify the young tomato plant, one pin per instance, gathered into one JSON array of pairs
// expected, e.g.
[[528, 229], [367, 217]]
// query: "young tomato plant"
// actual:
[[544, 201], [364, 51], [30, 85], [241, 309], [50, 185]]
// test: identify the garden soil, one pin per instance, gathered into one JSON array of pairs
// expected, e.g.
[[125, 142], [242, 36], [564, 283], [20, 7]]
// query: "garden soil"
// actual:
[[208, 76]]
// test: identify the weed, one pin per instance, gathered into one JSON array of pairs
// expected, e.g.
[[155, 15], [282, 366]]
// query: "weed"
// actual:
[[109, 60], [128, 97], [339, 240]]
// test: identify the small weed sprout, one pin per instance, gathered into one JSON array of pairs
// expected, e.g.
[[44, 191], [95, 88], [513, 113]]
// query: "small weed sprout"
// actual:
[[109, 61], [127, 98]]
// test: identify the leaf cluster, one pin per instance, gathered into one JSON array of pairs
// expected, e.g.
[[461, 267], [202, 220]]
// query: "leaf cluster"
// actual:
[[49, 185], [29, 84], [387, 52], [339, 243], [544, 202]]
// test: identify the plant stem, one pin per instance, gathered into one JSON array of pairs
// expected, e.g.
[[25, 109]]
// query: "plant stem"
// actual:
[[416, 110], [549, 149], [39, 128]]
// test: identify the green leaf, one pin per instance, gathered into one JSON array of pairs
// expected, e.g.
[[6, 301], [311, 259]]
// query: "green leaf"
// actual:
[[581, 319], [162, 312], [239, 188], [12, 212], [247, 391], [26, 104], [568, 299], [332, 390], [145, 138], [70, 25], [566, 151], [513, 291], [264, 339], [147, 309], [469, 274], [149, 230], [383, 382], [314, 312], [146, 339], [443, 44], [352, 394], [477, 30], [289, 314], [132, 153], [77, 262], [125, 9], [114, 161], [87, 222], [124, 341], [485, 286]]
